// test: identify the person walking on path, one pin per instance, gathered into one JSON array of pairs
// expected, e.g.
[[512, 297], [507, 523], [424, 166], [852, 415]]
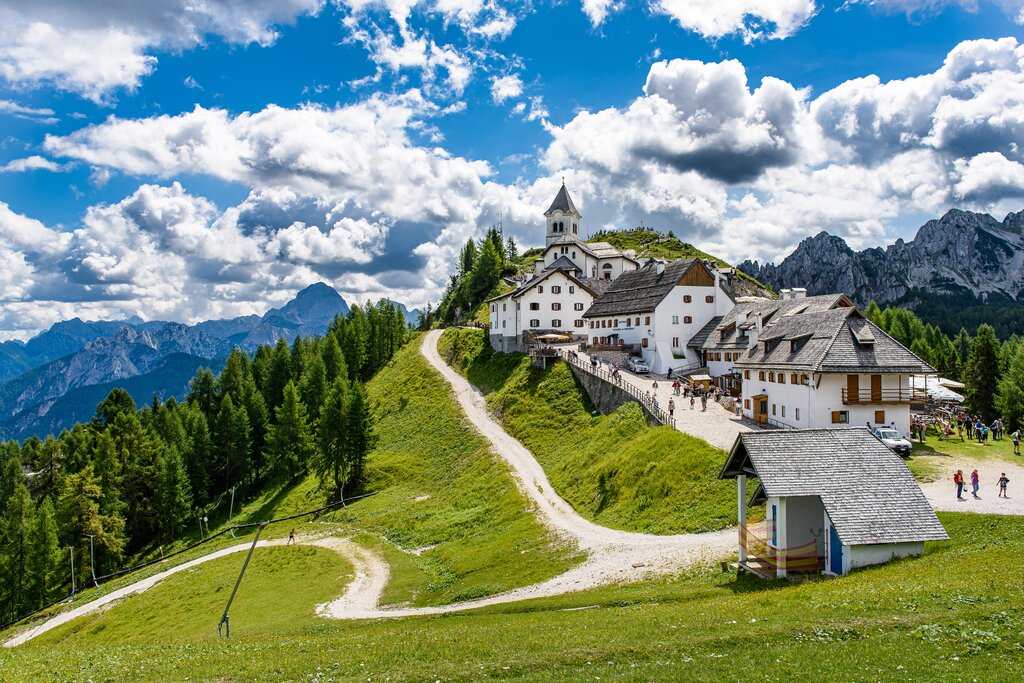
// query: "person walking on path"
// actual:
[[291, 538], [1016, 442], [703, 403], [975, 483], [654, 385], [671, 407], [669, 375], [1003, 481], [958, 479], [692, 401]]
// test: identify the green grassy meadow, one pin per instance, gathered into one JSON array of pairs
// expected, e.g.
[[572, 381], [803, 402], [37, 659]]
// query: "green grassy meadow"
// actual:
[[957, 614], [613, 469], [936, 459]]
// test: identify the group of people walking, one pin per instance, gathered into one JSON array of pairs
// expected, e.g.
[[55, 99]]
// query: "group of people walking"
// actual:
[[960, 484]]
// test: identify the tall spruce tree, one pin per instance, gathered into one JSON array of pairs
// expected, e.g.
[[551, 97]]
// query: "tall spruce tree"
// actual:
[[78, 516], [175, 494], [291, 442], [44, 557], [981, 376], [331, 462]]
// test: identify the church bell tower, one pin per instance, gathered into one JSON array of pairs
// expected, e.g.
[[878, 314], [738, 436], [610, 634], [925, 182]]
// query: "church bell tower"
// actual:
[[562, 217]]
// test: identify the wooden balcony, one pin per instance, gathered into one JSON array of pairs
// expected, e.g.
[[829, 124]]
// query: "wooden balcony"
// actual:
[[898, 395]]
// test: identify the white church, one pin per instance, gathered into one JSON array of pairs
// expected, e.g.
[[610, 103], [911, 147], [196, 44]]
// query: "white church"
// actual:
[[568, 276]]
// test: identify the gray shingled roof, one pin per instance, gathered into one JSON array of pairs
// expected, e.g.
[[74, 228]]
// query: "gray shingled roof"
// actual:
[[562, 202], [564, 263], [698, 340], [867, 490], [641, 290], [771, 311], [585, 283], [826, 342]]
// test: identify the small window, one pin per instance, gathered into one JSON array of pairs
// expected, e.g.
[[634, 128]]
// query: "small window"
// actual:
[[687, 319], [637, 321], [591, 324], [771, 376], [675, 342], [773, 410], [615, 322], [556, 289], [595, 340], [783, 411], [577, 307], [535, 323], [503, 307], [796, 414], [644, 342], [494, 308], [746, 374], [540, 289], [782, 378], [793, 379], [880, 417], [709, 299], [687, 298], [840, 417], [647, 320], [579, 323], [503, 323], [572, 289], [675, 320], [556, 306], [746, 403], [534, 306], [760, 375], [556, 323], [804, 379]]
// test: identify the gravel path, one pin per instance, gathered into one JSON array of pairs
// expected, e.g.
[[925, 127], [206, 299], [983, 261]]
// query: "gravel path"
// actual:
[[612, 556], [942, 493], [718, 426]]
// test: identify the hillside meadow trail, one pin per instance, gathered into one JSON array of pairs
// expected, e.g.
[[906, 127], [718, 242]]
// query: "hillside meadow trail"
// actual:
[[612, 556]]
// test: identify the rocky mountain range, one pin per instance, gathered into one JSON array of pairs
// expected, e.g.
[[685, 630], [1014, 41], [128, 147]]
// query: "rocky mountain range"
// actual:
[[47, 382], [959, 270]]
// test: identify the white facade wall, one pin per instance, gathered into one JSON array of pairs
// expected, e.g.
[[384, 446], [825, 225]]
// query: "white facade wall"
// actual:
[[590, 266], [671, 330], [569, 222], [808, 406], [879, 553]]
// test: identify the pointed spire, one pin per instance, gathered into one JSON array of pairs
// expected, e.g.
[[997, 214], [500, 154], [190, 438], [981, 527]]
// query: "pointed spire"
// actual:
[[562, 202]]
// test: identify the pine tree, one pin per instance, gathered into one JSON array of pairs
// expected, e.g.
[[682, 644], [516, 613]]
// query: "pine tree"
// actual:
[[1010, 396], [486, 273], [202, 392], [331, 462], [259, 427], [291, 443], [360, 433], [44, 557], [334, 361], [313, 386], [981, 376], [280, 374], [18, 521], [511, 250], [175, 494], [962, 344], [198, 455], [78, 516], [117, 402], [232, 437], [48, 465]]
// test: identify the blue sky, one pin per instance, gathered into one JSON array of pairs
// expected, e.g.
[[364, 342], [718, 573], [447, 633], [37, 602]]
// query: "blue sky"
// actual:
[[173, 162]]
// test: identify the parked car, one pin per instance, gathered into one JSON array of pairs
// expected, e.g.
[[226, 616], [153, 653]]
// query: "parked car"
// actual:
[[894, 440], [638, 365]]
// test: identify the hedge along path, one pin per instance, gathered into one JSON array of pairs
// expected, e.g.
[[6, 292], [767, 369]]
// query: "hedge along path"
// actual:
[[612, 556]]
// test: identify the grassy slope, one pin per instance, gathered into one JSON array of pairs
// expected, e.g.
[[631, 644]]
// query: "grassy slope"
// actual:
[[652, 244], [277, 596], [936, 459], [952, 615], [615, 469], [436, 483]]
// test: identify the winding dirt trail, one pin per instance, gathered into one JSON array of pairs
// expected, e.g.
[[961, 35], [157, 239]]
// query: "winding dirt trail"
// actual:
[[612, 556]]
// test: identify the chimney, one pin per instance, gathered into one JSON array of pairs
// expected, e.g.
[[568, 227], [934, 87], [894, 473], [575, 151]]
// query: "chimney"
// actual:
[[758, 322], [741, 318], [799, 293], [659, 266], [785, 294]]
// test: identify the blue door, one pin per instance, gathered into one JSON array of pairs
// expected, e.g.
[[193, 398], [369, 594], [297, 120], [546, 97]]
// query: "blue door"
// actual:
[[775, 527], [835, 552]]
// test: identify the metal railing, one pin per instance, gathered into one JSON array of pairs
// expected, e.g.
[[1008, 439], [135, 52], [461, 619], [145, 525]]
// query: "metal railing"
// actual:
[[649, 404], [899, 395]]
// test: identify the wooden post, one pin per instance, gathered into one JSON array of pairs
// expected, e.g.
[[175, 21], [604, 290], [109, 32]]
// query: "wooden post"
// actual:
[[741, 505], [782, 541]]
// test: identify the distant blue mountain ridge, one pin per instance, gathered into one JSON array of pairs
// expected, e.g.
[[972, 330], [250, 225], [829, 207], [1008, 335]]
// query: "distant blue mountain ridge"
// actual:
[[53, 380]]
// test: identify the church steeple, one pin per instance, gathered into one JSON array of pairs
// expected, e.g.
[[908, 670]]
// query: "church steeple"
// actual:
[[562, 216]]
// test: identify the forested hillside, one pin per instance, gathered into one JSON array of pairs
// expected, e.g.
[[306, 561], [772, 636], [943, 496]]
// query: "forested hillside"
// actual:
[[132, 479]]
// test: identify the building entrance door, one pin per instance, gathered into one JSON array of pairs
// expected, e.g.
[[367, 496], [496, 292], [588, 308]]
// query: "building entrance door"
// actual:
[[852, 388], [835, 552], [761, 409]]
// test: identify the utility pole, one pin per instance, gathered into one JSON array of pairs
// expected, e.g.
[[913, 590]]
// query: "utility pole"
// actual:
[[92, 561]]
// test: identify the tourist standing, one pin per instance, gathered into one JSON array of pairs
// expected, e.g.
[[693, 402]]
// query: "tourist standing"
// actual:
[[975, 483], [958, 480], [1016, 442], [703, 403], [671, 407], [1003, 481], [692, 401]]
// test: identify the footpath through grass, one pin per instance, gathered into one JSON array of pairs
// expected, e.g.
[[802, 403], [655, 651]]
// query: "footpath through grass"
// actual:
[[613, 469], [936, 459], [956, 614]]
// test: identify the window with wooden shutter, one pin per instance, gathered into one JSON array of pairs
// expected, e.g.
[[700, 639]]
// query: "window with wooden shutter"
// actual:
[[880, 417], [644, 342], [746, 375], [760, 375], [840, 417]]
